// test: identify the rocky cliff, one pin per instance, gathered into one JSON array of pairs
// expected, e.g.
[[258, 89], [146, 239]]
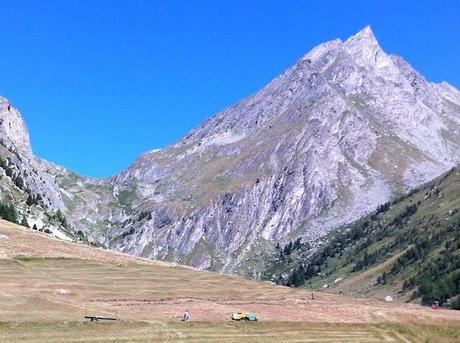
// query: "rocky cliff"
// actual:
[[24, 182], [341, 131]]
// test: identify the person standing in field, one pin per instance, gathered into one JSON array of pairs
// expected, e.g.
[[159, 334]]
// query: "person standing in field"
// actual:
[[186, 316]]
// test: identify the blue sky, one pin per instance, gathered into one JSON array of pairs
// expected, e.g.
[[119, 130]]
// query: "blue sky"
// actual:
[[100, 82]]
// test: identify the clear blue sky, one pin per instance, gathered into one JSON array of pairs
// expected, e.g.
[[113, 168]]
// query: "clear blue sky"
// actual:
[[100, 82]]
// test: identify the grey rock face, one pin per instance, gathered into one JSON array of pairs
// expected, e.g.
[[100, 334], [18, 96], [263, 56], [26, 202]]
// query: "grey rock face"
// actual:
[[12, 125], [341, 131], [24, 181]]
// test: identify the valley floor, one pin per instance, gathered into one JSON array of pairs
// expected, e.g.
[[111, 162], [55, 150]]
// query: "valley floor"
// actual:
[[47, 286], [34, 332]]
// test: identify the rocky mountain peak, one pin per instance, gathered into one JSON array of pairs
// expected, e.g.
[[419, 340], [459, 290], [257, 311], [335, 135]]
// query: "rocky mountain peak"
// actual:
[[365, 48], [344, 129], [366, 34], [13, 125]]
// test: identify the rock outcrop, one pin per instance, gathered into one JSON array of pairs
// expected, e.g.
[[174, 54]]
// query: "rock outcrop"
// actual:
[[13, 126]]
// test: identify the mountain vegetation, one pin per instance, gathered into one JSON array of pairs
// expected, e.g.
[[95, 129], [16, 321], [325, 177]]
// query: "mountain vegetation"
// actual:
[[8, 213], [409, 248]]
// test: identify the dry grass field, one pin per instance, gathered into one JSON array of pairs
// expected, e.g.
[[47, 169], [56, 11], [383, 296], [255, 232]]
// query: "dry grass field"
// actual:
[[47, 286]]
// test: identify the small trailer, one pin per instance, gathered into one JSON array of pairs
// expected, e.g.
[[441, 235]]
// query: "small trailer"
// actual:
[[97, 318]]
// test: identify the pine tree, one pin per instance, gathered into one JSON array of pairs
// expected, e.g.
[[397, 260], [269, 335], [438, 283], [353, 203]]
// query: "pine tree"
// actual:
[[30, 200], [384, 278], [8, 213], [19, 182], [60, 217], [24, 222]]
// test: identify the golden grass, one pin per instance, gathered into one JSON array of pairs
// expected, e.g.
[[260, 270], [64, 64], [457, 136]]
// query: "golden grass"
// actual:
[[47, 286]]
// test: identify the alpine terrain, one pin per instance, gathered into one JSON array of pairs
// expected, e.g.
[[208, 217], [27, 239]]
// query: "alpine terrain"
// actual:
[[408, 248], [345, 129]]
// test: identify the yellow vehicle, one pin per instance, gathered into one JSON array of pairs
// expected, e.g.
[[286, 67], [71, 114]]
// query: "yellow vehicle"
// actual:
[[244, 316]]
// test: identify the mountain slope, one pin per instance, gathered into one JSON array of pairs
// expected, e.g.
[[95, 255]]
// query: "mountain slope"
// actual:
[[321, 145], [408, 249], [344, 129]]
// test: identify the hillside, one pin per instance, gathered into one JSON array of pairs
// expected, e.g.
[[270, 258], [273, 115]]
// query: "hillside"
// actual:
[[344, 129], [49, 285], [408, 249]]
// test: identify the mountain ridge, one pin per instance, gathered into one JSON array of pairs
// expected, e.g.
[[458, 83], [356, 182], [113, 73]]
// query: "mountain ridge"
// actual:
[[341, 131]]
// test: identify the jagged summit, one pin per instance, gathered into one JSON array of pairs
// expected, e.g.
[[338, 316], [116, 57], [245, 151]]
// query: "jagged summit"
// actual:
[[366, 34], [294, 83], [363, 40], [366, 49]]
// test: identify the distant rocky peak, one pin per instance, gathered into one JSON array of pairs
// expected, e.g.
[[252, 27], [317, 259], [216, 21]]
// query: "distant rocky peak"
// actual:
[[13, 126], [364, 39], [365, 35]]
